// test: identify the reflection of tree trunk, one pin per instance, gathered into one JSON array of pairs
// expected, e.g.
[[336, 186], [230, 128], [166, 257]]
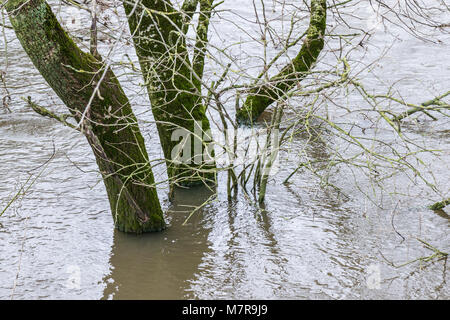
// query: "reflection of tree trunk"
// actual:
[[264, 95], [110, 125], [159, 266], [172, 85]]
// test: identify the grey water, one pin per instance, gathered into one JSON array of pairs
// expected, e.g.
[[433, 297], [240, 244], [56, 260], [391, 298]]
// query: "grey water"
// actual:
[[59, 242]]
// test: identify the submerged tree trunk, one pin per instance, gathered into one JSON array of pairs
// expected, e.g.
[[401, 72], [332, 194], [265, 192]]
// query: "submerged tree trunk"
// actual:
[[264, 95], [173, 85], [109, 123]]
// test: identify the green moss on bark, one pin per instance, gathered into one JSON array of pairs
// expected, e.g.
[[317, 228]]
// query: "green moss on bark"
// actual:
[[171, 84], [264, 95], [110, 127], [440, 205]]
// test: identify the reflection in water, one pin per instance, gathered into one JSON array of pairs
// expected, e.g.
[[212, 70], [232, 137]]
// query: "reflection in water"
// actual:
[[167, 265], [305, 244], [158, 266]]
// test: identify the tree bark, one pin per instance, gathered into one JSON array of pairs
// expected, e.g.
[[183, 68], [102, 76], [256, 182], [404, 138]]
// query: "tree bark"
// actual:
[[109, 123], [440, 205], [173, 87], [264, 95]]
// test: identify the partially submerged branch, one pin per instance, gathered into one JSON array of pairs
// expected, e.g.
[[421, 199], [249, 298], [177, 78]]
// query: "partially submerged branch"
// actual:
[[440, 205], [263, 96], [436, 256]]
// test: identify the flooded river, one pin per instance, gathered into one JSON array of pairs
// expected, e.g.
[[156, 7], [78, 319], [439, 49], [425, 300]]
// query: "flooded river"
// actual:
[[59, 242]]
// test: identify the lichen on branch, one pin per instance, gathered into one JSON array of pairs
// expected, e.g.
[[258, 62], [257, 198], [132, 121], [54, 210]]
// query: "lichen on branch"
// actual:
[[263, 95]]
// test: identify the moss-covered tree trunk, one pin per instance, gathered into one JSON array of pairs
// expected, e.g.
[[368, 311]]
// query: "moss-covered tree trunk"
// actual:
[[264, 95], [440, 205], [174, 88], [109, 123]]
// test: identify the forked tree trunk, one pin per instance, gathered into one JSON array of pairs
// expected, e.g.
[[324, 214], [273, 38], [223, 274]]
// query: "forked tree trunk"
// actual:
[[264, 95], [110, 125], [173, 87]]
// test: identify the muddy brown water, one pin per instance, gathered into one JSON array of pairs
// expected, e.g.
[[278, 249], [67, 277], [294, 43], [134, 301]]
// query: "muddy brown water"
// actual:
[[59, 242]]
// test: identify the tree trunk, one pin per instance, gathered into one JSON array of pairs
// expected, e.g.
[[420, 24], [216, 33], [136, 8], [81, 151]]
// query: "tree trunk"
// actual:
[[264, 95], [109, 123], [173, 87]]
